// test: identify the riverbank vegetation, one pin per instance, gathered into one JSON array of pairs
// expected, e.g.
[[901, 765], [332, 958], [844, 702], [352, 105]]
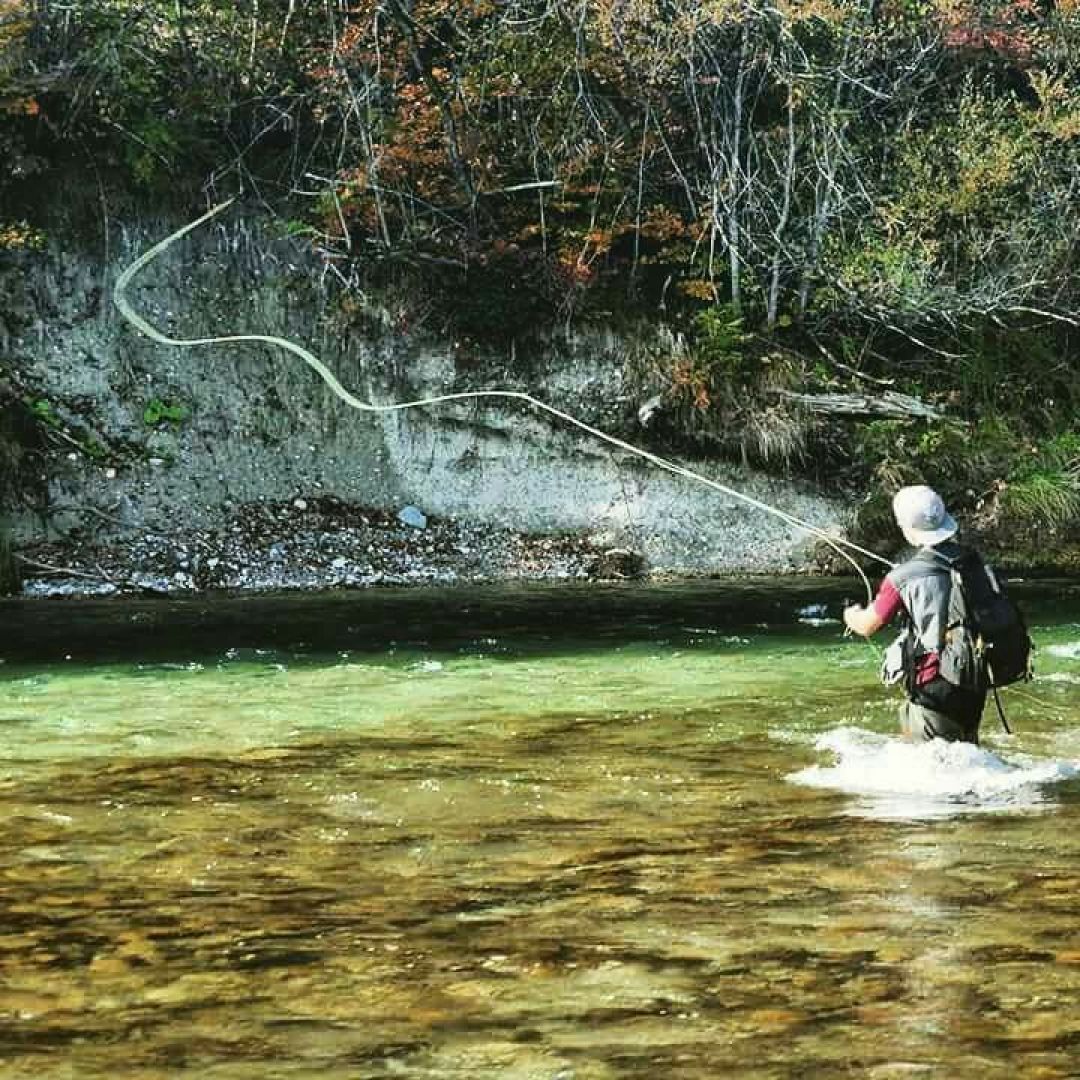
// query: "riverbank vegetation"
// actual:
[[12, 445], [850, 229]]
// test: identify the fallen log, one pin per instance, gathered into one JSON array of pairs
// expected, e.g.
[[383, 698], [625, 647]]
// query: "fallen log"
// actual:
[[888, 403]]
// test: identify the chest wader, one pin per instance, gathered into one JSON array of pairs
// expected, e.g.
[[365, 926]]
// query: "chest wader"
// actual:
[[920, 720]]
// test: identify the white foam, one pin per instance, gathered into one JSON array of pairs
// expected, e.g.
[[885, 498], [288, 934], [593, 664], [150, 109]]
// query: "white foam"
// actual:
[[898, 779], [1070, 651]]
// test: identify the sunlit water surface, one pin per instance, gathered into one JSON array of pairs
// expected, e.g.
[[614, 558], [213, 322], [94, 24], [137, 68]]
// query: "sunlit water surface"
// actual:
[[671, 849]]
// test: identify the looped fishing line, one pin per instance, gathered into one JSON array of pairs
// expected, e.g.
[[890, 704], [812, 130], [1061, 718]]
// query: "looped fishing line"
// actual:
[[837, 543]]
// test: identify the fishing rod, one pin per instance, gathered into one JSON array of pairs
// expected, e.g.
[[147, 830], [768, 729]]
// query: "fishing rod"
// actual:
[[837, 543]]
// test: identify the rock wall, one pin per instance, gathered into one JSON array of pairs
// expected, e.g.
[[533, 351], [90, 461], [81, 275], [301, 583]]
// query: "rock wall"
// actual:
[[150, 441]]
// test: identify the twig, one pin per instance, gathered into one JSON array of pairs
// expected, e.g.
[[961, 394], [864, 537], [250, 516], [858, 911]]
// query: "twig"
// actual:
[[1045, 314], [887, 383], [68, 571], [99, 577], [529, 186]]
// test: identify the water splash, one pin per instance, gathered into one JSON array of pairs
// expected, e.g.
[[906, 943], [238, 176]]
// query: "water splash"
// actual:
[[897, 779], [426, 667], [1068, 651]]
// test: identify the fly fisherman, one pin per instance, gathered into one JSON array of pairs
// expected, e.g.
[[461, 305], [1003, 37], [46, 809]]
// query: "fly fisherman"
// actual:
[[919, 589]]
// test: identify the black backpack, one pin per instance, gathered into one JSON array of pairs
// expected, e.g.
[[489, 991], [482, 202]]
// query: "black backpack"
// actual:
[[986, 639]]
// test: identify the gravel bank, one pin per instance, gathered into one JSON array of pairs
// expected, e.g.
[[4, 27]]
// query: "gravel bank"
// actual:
[[317, 544]]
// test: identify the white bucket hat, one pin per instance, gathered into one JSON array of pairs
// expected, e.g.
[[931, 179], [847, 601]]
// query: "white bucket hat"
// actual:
[[922, 516]]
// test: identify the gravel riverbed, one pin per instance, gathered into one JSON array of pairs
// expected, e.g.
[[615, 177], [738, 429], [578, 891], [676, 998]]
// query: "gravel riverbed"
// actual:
[[315, 544]]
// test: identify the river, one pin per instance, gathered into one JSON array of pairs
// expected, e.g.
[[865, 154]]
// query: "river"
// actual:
[[637, 831]]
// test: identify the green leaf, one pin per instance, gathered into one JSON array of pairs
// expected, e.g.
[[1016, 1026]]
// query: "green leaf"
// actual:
[[157, 411]]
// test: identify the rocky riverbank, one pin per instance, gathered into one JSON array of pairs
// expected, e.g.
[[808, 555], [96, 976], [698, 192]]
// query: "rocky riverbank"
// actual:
[[233, 467], [314, 545]]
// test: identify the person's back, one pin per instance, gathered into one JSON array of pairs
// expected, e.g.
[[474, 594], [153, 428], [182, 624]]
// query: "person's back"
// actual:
[[920, 589], [936, 707]]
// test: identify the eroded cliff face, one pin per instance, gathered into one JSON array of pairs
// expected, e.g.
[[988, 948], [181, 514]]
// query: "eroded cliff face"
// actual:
[[235, 465]]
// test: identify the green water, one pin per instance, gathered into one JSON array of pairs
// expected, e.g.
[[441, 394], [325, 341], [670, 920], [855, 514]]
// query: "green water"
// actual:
[[555, 835]]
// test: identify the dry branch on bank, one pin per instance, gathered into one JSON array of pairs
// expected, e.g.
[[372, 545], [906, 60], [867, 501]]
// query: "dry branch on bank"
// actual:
[[889, 403]]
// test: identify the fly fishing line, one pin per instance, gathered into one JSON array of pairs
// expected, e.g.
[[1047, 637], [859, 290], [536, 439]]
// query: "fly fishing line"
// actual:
[[837, 543]]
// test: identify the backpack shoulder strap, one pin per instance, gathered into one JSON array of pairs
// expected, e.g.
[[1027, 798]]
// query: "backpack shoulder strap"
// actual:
[[971, 567], [956, 563]]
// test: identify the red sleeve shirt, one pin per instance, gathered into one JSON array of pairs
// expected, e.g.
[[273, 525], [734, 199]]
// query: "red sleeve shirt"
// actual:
[[887, 605]]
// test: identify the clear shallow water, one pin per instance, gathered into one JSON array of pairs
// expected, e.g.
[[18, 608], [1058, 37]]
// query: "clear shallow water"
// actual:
[[580, 842]]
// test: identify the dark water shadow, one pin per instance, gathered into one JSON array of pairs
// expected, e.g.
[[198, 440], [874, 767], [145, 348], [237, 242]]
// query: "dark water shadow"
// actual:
[[535, 618]]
